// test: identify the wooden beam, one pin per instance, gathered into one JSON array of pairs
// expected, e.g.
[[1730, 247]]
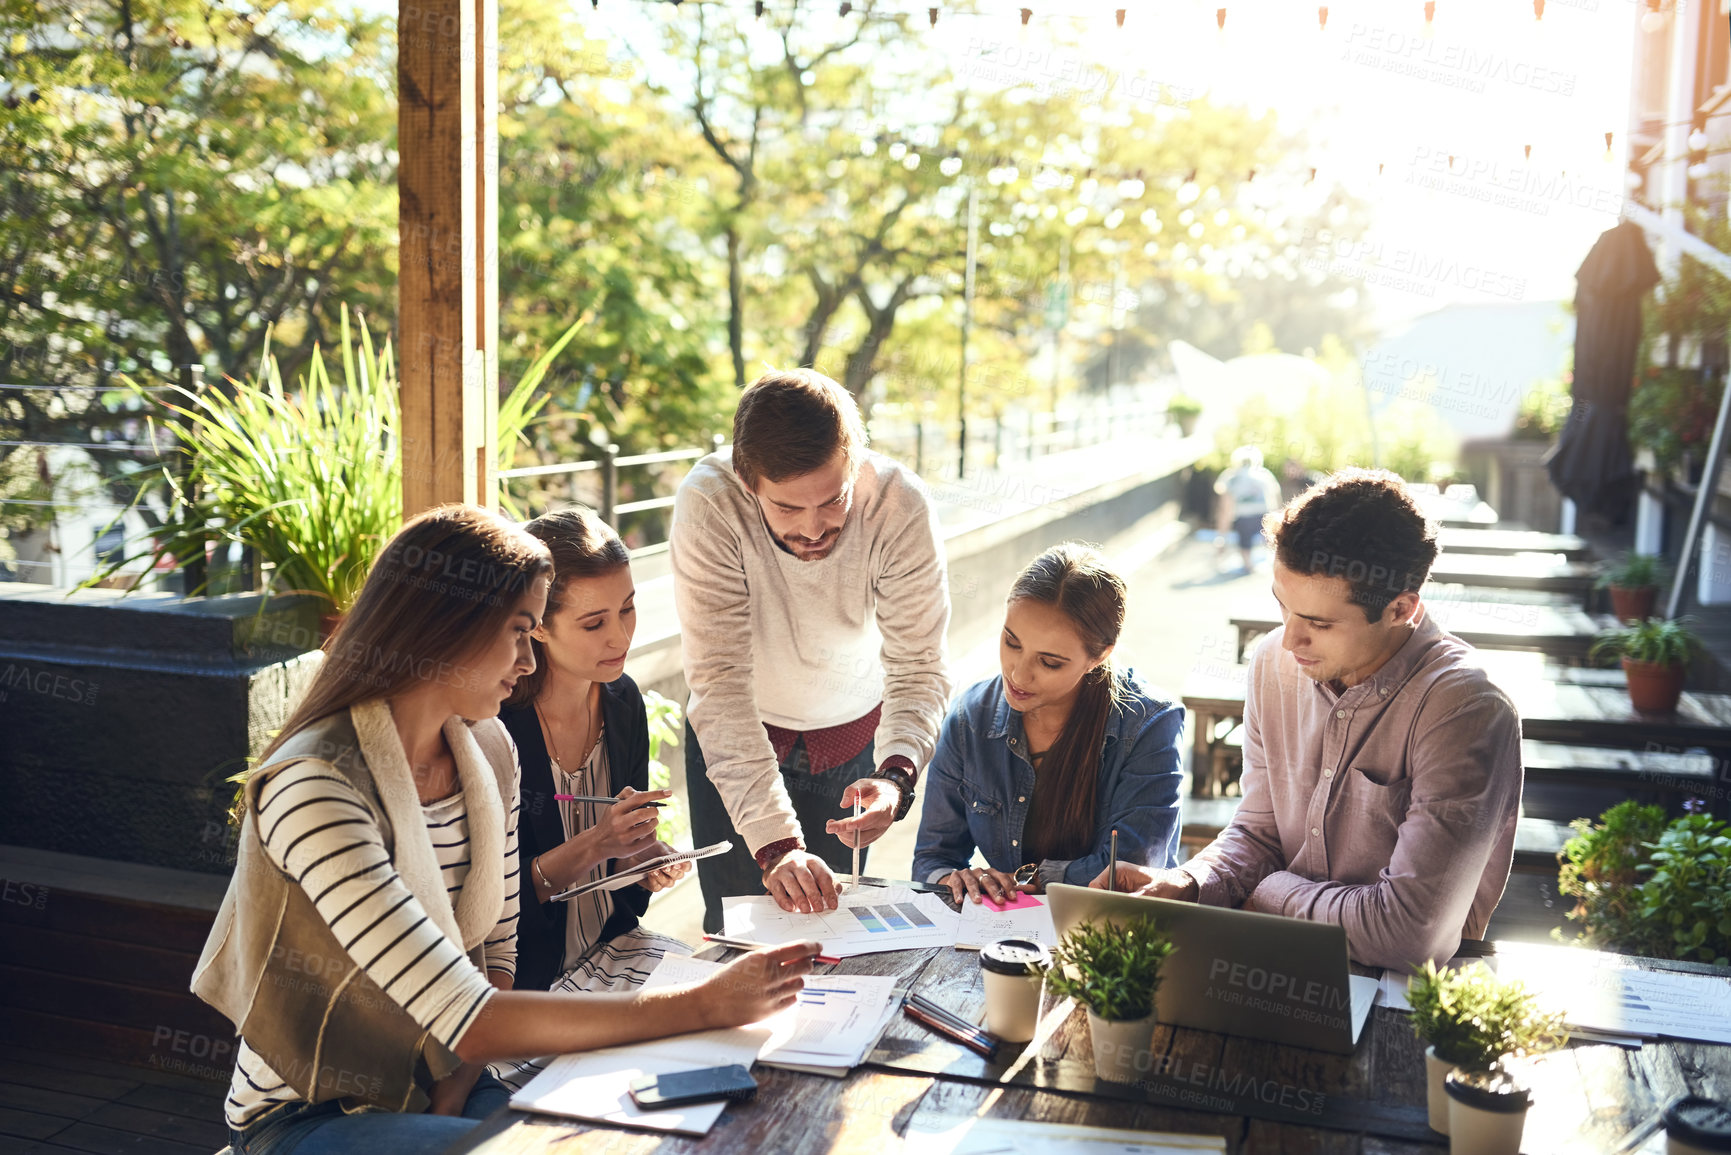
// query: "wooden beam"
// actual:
[[447, 228]]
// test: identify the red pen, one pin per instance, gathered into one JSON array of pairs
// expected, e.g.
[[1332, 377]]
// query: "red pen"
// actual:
[[748, 944]]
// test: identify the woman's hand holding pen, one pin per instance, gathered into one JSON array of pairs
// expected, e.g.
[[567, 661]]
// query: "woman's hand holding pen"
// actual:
[[621, 830]]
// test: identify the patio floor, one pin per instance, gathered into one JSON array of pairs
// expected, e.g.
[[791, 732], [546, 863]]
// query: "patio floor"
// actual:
[[57, 1103]]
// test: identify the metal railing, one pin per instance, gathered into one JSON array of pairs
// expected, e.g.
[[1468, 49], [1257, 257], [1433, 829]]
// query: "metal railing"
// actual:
[[609, 465]]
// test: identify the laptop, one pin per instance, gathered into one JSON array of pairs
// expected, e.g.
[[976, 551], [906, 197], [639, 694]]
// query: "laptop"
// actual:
[[1261, 976]]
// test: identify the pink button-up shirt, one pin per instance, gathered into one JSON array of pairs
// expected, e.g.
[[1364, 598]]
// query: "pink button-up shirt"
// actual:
[[1389, 809]]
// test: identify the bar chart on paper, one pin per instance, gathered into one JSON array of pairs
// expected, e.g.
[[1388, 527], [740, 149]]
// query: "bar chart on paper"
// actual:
[[868, 919]]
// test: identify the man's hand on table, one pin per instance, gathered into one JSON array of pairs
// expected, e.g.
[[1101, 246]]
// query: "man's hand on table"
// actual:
[[801, 882], [1173, 884]]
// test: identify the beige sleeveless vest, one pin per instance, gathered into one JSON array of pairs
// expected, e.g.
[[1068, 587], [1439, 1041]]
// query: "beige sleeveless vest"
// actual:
[[272, 965]]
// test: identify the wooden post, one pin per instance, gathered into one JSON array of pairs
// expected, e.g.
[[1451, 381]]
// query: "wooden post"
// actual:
[[447, 228]]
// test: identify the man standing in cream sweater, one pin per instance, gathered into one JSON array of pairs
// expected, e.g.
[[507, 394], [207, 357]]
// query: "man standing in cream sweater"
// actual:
[[813, 603]]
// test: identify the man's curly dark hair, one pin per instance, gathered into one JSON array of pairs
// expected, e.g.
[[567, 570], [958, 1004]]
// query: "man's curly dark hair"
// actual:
[[1360, 525]]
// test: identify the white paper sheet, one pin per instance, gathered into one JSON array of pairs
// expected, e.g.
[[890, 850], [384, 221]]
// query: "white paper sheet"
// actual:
[[987, 1136], [979, 924], [832, 1027], [1594, 993], [869, 919]]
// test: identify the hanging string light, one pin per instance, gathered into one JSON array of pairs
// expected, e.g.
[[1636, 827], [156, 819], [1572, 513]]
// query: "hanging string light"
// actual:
[[1529, 149], [846, 7], [1120, 15], [1608, 146], [1379, 168], [1220, 18], [1538, 9], [1027, 15], [1322, 19], [932, 15], [759, 9]]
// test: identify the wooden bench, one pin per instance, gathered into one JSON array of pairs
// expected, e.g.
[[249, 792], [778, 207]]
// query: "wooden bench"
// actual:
[[98, 960], [1516, 572], [1564, 633], [1538, 841], [1455, 540]]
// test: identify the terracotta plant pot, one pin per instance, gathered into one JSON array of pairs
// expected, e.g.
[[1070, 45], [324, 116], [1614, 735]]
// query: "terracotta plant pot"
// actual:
[[1633, 603], [1653, 688], [1123, 1050]]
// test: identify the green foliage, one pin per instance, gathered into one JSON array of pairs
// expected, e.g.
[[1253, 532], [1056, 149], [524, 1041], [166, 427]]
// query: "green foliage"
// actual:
[[1635, 571], [664, 719], [1601, 872], [1474, 1020], [1112, 969], [1656, 640], [1673, 411], [1544, 410], [1183, 405], [1644, 886]]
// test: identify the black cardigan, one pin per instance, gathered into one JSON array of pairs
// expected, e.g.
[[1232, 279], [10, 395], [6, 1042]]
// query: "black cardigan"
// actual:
[[541, 926]]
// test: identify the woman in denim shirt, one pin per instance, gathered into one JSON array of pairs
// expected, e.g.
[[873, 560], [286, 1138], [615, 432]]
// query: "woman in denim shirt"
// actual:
[[1036, 767]]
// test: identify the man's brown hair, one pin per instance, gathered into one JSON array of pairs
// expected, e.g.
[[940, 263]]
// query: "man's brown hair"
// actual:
[[1360, 525], [792, 422]]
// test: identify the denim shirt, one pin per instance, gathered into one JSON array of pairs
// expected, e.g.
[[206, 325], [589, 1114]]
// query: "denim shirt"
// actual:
[[981, 782]]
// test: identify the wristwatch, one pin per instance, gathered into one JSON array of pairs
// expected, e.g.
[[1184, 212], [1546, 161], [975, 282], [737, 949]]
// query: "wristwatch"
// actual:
[[899, 770]]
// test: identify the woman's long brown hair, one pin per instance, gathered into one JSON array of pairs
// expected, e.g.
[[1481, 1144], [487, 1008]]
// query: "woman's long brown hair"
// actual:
[[442, 588], [583, 546], [1075, 579]]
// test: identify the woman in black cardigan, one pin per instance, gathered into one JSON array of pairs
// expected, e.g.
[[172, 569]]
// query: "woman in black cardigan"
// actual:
[[580, 729]]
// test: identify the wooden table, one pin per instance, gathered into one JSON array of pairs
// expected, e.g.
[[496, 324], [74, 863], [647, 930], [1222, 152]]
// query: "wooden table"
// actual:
[[1505, 541], [1262, 1097], [1562, 632], [1515, 571], [1453, 510]]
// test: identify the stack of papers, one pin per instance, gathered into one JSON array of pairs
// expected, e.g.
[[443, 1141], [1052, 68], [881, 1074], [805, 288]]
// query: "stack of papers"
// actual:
[[987, 921], [638, 873], [869, 919], [1595, 993], [829, 1031]]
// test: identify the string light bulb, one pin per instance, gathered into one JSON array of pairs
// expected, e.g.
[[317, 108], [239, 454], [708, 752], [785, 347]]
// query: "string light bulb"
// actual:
[[1653, 19], [1608, 145], [1698, 140], [1379, 168], [1322, 19]]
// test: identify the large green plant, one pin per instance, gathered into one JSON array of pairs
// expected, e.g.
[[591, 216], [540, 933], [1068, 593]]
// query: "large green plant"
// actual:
[[1672, 411], [311, 478], [1644, 886], [1635, 571], [1475, 1020], [1112, 969], [1656, 640]]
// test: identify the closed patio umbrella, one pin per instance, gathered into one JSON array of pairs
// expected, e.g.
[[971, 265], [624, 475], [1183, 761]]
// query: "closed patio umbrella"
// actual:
[[1591, 464]]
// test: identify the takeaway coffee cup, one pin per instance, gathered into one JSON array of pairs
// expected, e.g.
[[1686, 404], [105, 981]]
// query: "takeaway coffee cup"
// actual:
[[1697, 1126], [1013, 969]]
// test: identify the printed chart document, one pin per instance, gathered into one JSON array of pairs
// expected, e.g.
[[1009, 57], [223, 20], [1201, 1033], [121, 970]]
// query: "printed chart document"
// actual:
[[987, 921], [869, 919], [640, 872], [829, 1031], [987, 1136], [1596, 994]]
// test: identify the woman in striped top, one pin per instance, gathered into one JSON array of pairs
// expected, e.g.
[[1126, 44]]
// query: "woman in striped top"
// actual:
[[367, 945], [580, 729]]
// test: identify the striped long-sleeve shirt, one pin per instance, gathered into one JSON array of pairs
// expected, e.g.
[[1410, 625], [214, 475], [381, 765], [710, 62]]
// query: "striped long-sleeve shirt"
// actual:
[[314, 826]]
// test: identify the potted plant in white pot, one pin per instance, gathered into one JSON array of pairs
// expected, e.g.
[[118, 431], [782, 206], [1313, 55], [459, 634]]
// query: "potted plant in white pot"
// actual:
[[1474, 1022], [1655, 654], [1113, 969], [1634, 585]]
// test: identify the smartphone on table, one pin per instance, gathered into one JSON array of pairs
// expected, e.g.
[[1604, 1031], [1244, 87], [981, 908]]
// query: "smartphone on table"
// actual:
[[677, 1088]]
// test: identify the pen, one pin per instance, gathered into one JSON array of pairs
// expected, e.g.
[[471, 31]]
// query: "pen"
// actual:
[[596, 798], [975, 1041], [1112, 873], [748, 944], [856, 841]]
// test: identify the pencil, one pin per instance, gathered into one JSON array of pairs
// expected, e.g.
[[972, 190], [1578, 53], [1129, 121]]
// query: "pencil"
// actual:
[[748, 944], [1112, 871], [598, 798]]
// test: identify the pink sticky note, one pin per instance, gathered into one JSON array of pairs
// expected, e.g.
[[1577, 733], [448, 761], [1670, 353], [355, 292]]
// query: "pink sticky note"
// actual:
[[1020, 902]]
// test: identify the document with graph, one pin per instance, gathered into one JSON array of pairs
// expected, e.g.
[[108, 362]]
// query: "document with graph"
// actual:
[[987, 921], [869, 919]]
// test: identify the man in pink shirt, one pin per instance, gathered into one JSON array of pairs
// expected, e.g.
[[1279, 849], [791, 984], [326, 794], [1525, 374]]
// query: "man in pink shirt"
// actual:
[[1382, 770]]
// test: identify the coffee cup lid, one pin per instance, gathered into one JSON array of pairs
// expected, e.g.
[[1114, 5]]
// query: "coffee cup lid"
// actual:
[[1701, 1122], [1492, 1091], [1014, 956]]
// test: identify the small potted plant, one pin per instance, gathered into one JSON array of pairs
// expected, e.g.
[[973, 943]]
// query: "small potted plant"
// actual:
[[1634, 584], [1183, 411], [1655, 655], [1474, 1022], [1113, 969]]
